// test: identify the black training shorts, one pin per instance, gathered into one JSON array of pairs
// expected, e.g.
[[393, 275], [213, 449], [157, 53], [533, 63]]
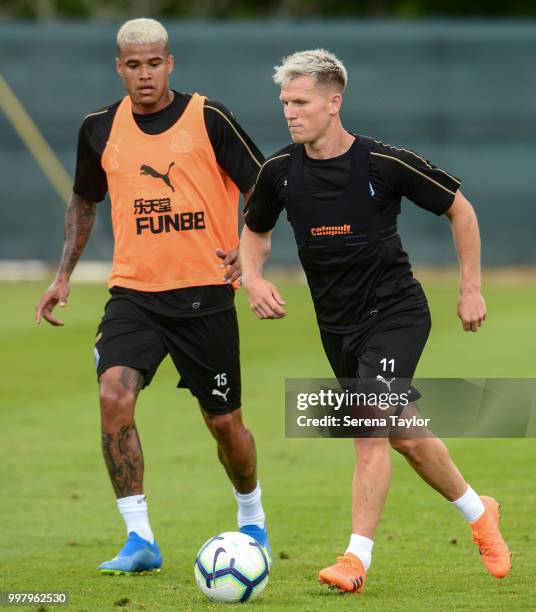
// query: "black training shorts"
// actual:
[[205, 350], [381, 356], [389, 344]]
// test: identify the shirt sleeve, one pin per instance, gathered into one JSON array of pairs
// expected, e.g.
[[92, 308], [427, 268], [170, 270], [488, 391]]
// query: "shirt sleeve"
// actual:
[[90, 180], [235, 152], [269, 197], [407, 174]]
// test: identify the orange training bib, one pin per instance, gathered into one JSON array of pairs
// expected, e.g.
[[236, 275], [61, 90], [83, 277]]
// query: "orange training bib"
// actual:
[[172, 205]]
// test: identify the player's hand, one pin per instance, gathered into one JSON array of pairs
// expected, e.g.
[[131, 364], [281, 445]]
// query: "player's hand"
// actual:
[[471, 309], [230, 261], [264, 299], [56, 294]]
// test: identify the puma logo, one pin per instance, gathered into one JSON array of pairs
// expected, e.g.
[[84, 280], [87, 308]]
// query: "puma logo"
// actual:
[[220, 394], [145, 169], [387, 382]]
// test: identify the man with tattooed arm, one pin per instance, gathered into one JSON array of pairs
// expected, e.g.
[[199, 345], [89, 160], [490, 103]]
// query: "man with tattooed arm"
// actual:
[[174, 165]]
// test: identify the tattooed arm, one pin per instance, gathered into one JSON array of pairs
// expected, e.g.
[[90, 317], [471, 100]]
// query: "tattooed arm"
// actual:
[[78, 223]]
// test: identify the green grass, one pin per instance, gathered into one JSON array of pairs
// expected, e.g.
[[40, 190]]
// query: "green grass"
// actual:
[[58, 513]]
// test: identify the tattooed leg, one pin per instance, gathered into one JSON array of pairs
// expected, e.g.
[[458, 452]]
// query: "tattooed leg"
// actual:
[[121, 447], [131, 380], [124, 460]]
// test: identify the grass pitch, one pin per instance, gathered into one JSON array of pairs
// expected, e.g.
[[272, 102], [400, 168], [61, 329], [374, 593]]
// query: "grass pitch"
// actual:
[[57, 507]]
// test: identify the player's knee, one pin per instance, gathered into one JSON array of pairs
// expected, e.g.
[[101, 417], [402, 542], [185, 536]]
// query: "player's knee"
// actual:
[[225, 428], [409, 447], [117, 406], [113, 396], [370, 449]]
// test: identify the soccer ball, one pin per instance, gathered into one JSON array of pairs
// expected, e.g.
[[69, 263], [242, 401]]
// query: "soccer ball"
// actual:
[[232, 567]]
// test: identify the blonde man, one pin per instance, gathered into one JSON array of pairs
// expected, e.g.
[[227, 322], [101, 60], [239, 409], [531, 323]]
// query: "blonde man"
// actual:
[[174, 165], [342, 196]]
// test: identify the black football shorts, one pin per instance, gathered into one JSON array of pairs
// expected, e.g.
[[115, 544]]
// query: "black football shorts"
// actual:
[[205, 350], [387, 347]]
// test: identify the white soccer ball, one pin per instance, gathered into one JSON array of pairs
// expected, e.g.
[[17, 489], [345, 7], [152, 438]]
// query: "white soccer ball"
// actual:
[[232, 567]]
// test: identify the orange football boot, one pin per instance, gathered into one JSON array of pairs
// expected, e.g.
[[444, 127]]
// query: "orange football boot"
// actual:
[[348, 574], [488, 538]]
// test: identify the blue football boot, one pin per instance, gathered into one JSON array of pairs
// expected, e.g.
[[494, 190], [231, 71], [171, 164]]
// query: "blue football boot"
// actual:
[[138, 556], [261, 536]]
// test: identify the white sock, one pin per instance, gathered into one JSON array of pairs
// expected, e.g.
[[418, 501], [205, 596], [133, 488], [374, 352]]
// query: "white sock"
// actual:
[[250, 511], [133, 509], [469, 505], [361, 547]]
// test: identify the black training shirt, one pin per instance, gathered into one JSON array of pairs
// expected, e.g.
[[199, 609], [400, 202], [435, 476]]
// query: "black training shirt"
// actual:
[[348, 284], [235, 153]]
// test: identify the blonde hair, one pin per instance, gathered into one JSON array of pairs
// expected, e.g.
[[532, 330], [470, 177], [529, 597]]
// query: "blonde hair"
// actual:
[[320, 64], [141, 32]]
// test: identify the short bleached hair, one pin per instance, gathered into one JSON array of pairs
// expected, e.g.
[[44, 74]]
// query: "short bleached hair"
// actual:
[[320, 64], [141, 32]]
